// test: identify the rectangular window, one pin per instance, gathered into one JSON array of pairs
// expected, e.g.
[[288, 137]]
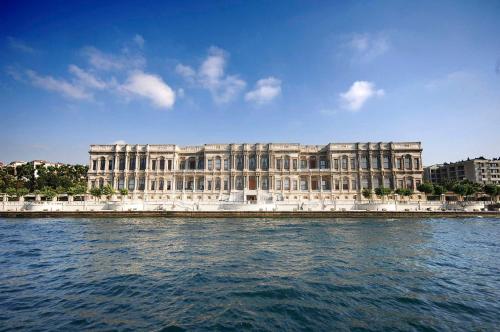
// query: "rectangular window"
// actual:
[[209, 164], [110, 165], [226, 164], [226, 183], [278, 184], [335, 164], [153, 185], [278, 164], [162, 164], [217, 184], [131, 163], [121, 166], [131, 184], [287, 163], [103, 164], [345, 184], [387, 162], [169, 165], [303, 184], [94, 165], [286, 184], [325, 185], [209, 185], [295, 185], [375, 162], [417, 163], [217, 164], [354, 184], [121, 183], [179, 184], [398, 164], [142, 183], [182, 164], [169, 185], [153, 165], [161, 184], [264, 162], [303, 164], [294, 164], [353, 163], [239, 163], [265, 183], [142, 165], [364, 162]]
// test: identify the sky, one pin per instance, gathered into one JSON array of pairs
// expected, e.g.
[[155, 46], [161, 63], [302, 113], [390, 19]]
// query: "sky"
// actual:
[[190, 73]]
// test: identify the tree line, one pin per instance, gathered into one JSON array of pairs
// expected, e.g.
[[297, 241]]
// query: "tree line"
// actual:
[[462, 189], [47, 181]]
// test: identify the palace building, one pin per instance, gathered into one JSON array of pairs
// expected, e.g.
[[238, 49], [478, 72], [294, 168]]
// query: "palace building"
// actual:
[[255, 172]]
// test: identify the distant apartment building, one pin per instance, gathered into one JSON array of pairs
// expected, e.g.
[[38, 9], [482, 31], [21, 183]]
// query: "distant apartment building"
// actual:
[[34, 163], [256, 172], [479, 170]]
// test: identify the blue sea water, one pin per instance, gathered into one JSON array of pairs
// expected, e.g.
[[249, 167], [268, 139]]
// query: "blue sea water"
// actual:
[[250, 274]]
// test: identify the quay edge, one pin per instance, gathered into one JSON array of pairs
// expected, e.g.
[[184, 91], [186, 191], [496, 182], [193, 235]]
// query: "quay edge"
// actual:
[[249, 214]]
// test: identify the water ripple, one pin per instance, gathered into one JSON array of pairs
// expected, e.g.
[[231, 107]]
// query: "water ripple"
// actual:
[[249, 274]]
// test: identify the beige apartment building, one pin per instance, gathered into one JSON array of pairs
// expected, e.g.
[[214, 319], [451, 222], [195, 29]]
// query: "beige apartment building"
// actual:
[[479, 170], [255, 172]]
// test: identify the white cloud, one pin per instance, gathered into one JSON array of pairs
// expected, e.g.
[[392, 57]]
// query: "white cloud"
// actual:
[[19, 45], [358, 94], [211, 76], [456, 77], [62, 86], [86, 78], [368, 46], [126, 60], [151, 87], [139, 40], [265, 90], [186, 72], [120, 142]]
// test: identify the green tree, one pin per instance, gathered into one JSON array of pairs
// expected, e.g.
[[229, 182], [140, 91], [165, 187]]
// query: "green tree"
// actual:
[[21, 192], [491, 190], [11, 191], [460, 189], [124, 192], [367, 193], [439, 190], [48, 193], [108, 191], [96, 192], [77, 189], [382, 191], [404, 192], [426, 188]]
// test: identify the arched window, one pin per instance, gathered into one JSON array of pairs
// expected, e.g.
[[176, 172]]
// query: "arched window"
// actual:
[[407, 161], [344, 162], [103, 164], [286, 184], [217, 183]]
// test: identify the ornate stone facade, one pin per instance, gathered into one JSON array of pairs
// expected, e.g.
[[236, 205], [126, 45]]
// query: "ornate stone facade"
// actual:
[[255, 172]]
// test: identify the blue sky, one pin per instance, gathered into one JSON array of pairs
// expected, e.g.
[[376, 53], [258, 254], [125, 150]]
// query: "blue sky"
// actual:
[[74, 74]]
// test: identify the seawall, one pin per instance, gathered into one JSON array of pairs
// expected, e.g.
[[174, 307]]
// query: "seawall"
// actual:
[[248, 214]]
